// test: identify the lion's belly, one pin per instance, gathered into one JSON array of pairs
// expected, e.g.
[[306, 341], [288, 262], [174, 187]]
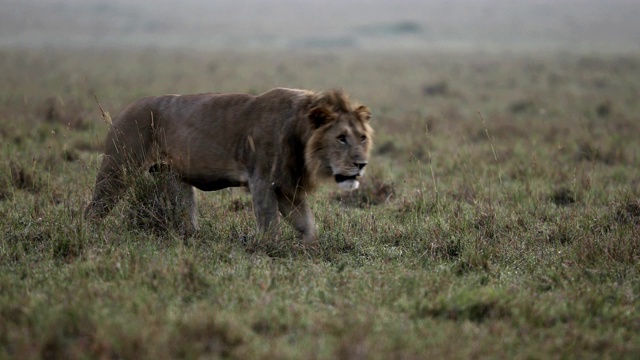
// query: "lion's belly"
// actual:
[[211, 170], [212, 183]]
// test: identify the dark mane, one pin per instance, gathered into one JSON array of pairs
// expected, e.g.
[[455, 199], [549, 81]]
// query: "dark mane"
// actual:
[[335, 100]]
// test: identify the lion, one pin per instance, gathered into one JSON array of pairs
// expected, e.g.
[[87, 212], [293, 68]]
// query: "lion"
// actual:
[[279, 144]]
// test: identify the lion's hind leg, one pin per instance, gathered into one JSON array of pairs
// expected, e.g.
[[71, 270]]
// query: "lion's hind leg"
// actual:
[[110, 185], [162, 202], [125, 153], [183, 205]]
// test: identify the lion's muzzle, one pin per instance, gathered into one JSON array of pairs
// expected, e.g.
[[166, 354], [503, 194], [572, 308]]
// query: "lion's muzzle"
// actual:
[[347, 182], [350, 182]]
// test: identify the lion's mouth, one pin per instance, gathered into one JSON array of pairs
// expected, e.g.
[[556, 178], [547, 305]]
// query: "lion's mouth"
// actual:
[[342, 178], [347, 182]]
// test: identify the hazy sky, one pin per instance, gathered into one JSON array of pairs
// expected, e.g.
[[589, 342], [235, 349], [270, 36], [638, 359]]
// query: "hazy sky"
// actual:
[[581, 25]]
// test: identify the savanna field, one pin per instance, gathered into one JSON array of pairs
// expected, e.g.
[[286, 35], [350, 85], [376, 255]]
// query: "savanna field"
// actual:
[[499, 217]]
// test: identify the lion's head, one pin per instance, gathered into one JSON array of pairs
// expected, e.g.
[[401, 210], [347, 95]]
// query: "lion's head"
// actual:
[[341, 140]]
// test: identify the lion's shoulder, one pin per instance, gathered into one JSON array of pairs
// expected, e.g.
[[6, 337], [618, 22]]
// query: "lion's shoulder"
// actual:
[[287, 94], [283, 91]]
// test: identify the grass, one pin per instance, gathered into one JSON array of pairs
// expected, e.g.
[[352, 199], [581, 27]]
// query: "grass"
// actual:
[[513, 234]]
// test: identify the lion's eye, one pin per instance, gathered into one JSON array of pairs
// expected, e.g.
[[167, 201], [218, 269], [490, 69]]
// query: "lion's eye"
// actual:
[[363, 138], [342, 138]]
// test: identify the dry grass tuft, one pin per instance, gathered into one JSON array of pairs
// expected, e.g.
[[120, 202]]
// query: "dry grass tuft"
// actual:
[[5, 187], [204, 334], [355, 345], [74, 336], [477, 312], [24, 179], [238, 204]]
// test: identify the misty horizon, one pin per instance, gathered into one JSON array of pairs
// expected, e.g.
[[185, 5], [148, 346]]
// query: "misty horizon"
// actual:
[[572, 25]]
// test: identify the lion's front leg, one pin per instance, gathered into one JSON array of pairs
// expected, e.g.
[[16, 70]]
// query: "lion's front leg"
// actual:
[[296, 210], [265, 207]]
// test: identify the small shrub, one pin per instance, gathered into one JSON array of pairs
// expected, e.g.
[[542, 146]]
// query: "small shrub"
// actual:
[[477, 312], [604, 109], [440, 88], [628, 212], [563, 196], [386, 148], [588, 151], [522, 106], [70, 114]]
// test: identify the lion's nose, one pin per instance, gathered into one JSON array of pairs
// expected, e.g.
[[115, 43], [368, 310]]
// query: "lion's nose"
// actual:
[[361, 164]]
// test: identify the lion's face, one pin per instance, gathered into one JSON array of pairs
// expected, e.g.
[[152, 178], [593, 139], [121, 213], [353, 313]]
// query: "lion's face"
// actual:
[[343, 143]]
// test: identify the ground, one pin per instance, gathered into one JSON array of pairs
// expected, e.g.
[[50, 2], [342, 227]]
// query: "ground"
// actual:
[[500, 215]]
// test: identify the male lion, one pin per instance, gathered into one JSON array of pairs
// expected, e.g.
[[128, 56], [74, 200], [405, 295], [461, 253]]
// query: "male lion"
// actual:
[[278, 143]]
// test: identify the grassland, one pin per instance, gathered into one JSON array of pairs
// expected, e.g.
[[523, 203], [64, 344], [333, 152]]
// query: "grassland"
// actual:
[[500, 217]]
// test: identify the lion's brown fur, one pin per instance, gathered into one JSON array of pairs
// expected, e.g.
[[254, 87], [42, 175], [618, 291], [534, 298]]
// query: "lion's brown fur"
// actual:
[[277, 143]]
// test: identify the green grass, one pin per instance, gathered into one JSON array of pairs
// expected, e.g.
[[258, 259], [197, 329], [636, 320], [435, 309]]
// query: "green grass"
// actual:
[[500, 217]]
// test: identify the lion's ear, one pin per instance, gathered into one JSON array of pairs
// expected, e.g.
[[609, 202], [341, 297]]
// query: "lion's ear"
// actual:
[[319, 116], [363, 112]]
